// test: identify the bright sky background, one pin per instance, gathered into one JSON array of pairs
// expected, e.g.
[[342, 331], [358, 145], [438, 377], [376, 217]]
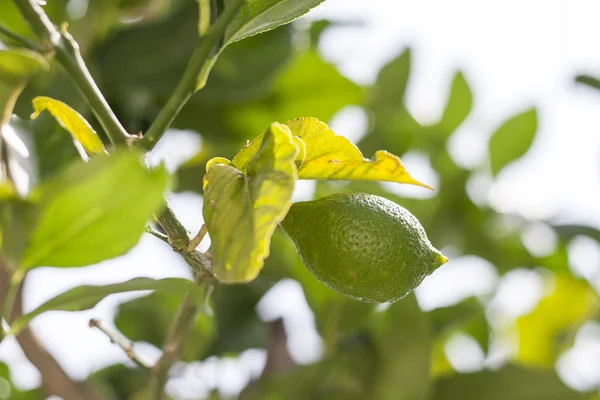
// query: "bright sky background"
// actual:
[[515, 54]]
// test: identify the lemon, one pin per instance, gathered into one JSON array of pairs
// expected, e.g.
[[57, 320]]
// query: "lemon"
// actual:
[[363, 246]]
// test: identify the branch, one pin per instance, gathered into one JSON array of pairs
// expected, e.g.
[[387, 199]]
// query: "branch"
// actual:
[[68, 54], [202, 60], [55, 380], [120, 341], [178, 333], [179, 239]]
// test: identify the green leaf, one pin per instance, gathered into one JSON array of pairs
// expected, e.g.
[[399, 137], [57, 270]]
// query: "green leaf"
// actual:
[[460, 103], [256, 16], [16, 69], [241, 210], [404, 339], [87, 296], [237, 322], [95, 211], [392, 127], [588, 80], [392, 82], [326, 92], [9, 391], [550, 328], [468, 317], [510, 382], [17, 220], [332, 157], [119, 381], [148, 319], [72, 121], [512, 139]]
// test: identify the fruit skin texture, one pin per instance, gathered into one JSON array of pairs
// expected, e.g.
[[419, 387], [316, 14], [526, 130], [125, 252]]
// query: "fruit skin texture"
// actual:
[[363, 246]]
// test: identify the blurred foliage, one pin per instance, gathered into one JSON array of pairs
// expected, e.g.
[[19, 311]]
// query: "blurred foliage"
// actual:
[[137, 50]]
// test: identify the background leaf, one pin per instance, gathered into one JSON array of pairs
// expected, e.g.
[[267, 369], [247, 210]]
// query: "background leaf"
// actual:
[[87, 296], [391, 125], [512, 139], [551, 326], [403, 338], [510, 382], [588, 80], [148, 318], [95, 211], [72, 121], [16, 69], [249, 206], [458, 107]]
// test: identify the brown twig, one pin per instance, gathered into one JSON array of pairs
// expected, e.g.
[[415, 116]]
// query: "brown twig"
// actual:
[[124, 344], [55, 381]]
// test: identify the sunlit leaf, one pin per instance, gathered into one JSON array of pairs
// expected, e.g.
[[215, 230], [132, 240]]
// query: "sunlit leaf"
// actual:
[[510, 382], [16, 69], [549, 329], [242, 210], [94, 211], [72, 121], [512, 139], [333, 157], [460, 103], [256, 16], [87, 296]]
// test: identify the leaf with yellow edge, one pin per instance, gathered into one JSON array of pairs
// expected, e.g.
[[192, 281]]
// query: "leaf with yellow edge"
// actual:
[[332, 157], [241, 210], [72, 121], [545, 332]]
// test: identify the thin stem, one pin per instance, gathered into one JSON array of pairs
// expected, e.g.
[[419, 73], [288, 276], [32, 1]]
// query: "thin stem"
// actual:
[[203, 58], [180, 328], [20, 39], [204, 22], [68, 54], [120, 341], [157, 234]]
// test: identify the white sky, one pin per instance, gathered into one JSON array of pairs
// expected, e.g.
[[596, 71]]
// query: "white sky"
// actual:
[[515, 54]]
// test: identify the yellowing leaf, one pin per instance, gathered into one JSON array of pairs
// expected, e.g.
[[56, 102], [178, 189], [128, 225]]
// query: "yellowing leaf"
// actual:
[[545, 332], [241, 210], [72, 121], [332, 157]]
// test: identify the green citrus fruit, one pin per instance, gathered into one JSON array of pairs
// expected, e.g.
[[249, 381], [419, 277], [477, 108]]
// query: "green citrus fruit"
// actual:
[[363, 246]]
